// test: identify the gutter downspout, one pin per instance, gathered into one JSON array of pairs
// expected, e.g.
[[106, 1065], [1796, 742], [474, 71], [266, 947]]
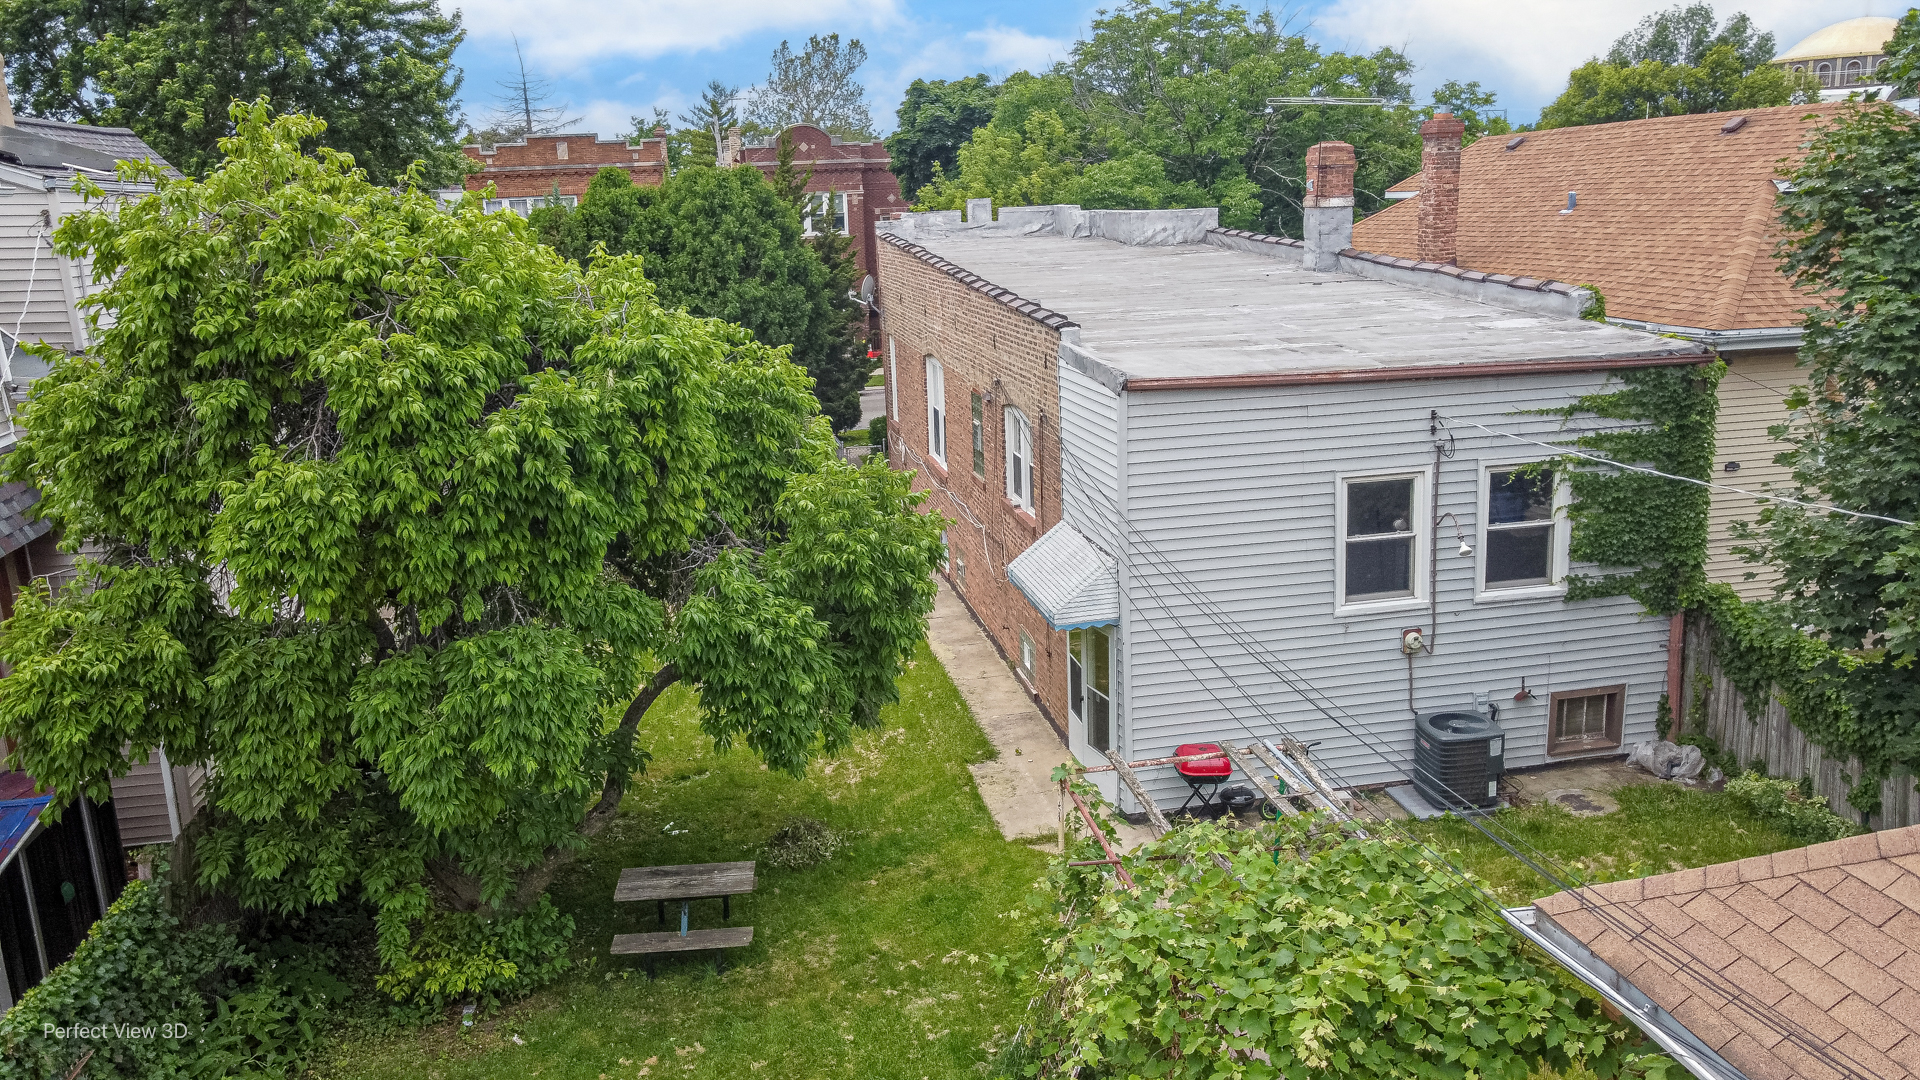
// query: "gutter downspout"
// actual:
[[173, 804]]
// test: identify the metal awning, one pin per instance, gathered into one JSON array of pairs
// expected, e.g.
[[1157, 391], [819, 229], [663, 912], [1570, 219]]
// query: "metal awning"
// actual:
[[1071, 582]]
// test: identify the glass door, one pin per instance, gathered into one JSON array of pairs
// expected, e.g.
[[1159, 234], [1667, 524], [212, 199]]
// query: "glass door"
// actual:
[[1089, 692]]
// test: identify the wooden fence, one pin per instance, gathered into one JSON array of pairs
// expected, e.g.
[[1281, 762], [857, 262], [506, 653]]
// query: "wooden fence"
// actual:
[[1709, 704]]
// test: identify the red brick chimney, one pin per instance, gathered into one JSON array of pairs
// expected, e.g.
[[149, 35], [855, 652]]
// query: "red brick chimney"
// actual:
[[1326, 225], [1440, 188]]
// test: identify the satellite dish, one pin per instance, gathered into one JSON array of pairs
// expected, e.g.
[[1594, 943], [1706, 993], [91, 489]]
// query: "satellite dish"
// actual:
[[866, 289]]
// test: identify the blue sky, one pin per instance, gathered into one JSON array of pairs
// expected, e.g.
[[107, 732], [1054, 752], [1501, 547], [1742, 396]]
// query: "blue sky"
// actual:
[[611, 59]]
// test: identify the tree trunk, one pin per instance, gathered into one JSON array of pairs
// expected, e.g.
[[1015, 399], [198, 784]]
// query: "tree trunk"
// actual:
[[535, 880]]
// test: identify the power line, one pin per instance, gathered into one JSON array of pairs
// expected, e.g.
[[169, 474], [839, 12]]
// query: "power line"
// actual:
[[1682, 960], [1708, 484]]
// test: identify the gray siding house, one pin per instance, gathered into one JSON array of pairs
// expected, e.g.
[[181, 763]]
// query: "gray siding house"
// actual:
[[1270, 470]]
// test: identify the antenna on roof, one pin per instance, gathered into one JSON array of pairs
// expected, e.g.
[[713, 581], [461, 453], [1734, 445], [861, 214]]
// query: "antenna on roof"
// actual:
[[1374, 101]]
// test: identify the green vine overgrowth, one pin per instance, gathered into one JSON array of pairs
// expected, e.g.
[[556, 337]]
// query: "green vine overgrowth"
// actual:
[[1651, 532]]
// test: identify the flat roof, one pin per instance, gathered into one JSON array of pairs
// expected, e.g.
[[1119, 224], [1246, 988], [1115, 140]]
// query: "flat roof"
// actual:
[[1194, 311]]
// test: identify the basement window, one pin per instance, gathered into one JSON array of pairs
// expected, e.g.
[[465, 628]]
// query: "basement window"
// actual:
[[1026, 655], [1580, 721]]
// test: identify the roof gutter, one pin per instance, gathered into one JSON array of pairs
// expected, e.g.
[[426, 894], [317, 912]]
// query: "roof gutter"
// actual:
[[1659, 1024], [1766, 337], [1427, 371]]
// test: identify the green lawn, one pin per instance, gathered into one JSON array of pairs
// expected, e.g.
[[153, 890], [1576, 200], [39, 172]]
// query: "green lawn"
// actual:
[[1659, 827], [872, 964]]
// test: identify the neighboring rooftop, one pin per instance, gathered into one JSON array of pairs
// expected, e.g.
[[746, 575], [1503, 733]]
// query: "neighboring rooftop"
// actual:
[[1200, 310], [1673, 223], [117, 142], [1785, 965]]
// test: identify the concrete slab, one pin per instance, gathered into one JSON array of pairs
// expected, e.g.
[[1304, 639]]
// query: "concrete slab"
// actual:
[[1017, 784], [1600, 777], [1583, 802]]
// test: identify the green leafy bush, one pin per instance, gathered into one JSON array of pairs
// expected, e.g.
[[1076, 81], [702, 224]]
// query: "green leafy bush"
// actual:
[[454, 955], [803, 842], [158, 999], [1322, 952], [1783, 805]]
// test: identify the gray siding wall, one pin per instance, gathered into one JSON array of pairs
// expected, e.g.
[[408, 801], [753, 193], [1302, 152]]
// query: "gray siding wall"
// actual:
[[49, 314], [1089, 471], [1231, 501], [140, 801]]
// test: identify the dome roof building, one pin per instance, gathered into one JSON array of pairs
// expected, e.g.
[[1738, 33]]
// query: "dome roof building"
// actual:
[[1845, 57]]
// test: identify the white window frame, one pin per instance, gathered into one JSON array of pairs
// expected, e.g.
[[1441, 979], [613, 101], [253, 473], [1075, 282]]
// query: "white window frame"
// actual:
[[1422, 543], [1017, 437], [1562, 537], [936, 411], [829, 204], [893, 382]]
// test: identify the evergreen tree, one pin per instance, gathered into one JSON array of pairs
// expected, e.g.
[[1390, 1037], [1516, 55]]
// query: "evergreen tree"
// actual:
[[818, 86], [379, 72], [727, 244]]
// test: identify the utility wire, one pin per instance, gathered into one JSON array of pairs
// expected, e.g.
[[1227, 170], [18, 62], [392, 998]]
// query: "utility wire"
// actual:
[[1698, 968], [1708, 484]]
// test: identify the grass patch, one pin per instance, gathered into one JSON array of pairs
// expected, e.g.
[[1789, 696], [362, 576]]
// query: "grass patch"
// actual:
[[878, 378], [1658, 828], [870, 964]]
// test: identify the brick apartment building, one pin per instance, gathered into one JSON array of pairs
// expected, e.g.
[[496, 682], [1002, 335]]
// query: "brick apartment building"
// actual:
[[852, 183], [995, 355]]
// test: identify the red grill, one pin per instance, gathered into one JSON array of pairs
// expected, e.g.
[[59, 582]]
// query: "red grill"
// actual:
[[1204, 776]]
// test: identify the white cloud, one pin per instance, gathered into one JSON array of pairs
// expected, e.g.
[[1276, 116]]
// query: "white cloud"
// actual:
[[1527, 47], [1005, 48], [567, 31]]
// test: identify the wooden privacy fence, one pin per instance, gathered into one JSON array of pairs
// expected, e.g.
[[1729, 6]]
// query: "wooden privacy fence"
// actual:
[[1711, 706]]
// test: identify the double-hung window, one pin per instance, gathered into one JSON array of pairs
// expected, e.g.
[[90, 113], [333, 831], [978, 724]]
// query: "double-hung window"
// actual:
[[936, 411], [1019, 460], [823, 210], [1521, 533], [979, 436], [1089, 675], [1381, 538]]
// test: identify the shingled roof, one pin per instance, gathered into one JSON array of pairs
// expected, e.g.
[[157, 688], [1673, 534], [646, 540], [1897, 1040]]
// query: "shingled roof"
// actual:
[[1674, 223], [1820, 944]]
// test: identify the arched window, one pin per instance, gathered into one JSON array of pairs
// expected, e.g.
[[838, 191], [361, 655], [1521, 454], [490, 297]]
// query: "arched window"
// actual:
[[936, 411], [1825, 72], [1855, 69], [1019, 460]]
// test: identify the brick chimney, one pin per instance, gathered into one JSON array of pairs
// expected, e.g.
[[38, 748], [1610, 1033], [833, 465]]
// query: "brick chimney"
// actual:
[[1440, 188], [1326, 225], [730, 154], [659, 131]]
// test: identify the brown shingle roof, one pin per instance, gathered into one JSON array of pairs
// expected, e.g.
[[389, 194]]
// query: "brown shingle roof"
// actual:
[[1674, 223], [1824, 936]]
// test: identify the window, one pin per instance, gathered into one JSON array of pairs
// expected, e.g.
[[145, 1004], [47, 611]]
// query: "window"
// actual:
[[1019, 460], [1026, 654], [1380, 539], [1089, 655], [979, 437], [822, 206], [893, 382], [1824, 71], [1583, 720], [936, 411], [1521, 546], [1854, 72]]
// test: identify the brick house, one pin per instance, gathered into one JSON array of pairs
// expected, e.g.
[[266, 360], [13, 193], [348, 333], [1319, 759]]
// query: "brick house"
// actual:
[[1672, 219], [852, 183], [1197, 493]]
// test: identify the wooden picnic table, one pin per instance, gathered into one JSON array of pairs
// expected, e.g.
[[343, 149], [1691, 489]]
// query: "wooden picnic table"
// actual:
[[699, 881]]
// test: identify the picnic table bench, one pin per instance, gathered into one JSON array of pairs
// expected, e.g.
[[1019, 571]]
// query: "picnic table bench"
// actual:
[[685, 884]]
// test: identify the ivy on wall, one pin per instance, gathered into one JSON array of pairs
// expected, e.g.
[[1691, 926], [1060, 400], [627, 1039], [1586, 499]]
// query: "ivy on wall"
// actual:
[[1650, 533]]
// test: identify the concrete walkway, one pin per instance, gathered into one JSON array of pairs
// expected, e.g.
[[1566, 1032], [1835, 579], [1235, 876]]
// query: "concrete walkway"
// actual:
[[1017, 785]]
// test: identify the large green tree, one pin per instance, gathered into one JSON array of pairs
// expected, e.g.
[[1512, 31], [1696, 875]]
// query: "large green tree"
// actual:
[[406, 522], [1852, 225], [727, 244], [1678, 62], [379, 72], [818, 85], [934, 119], [1166, 105]]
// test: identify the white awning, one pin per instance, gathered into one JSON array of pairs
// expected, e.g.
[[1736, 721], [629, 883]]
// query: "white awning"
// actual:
[[1068, 579]]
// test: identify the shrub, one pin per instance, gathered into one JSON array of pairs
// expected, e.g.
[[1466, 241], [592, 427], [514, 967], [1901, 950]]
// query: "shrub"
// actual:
[[455, 955], [877, 432], [1783, 805], [801, 843], [1322, 952]]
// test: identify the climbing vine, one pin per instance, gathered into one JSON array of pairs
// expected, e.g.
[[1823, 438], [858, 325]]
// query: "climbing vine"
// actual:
[[1651, 531]]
